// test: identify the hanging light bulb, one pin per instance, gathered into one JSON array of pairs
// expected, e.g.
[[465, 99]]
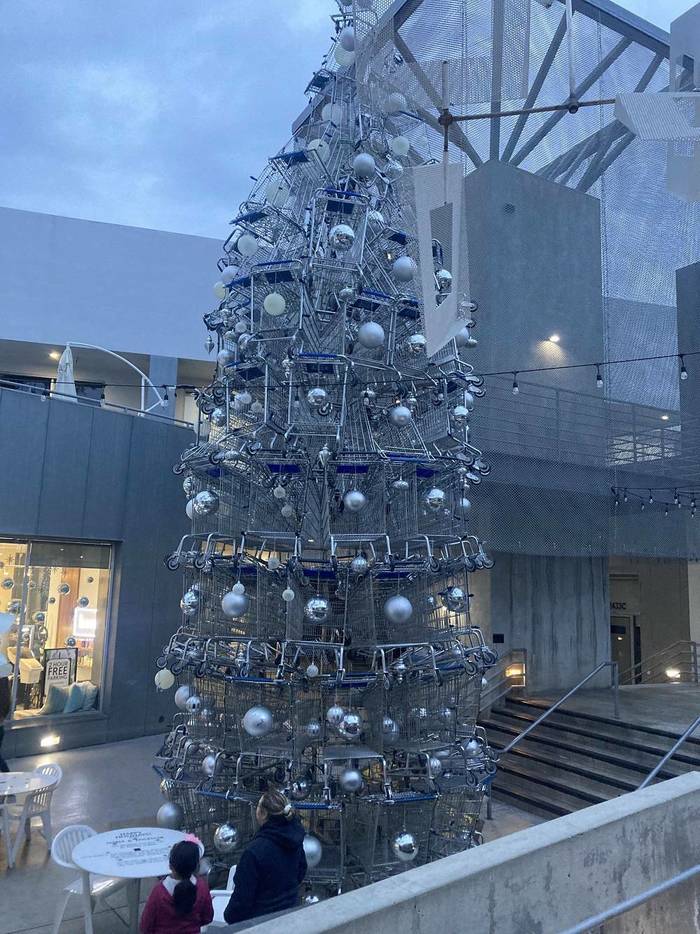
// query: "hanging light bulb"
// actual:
[[598, 377], [684, 372], [675, 497], [625, 497], [651, 497], [516, 388], [666, 511]]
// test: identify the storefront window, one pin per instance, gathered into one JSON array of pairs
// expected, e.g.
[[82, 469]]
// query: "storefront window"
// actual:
[[56, 595]]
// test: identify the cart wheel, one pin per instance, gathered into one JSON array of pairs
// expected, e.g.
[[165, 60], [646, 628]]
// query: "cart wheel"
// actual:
[[160, 661], [470, 668], [490, 657], [488, 563], [172, 563], [177, 667], [490, 767], [199, 562], [434, 565], [200, 670]]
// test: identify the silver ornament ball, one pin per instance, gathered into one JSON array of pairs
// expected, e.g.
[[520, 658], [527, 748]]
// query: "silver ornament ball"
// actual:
[[170, 816], [435, 499], [334, 715], [400, 415], [398, 609], [354, 500], [193, 703], [435, 765], [390, 728], [371, 335], [359, 565], [443, 278], [209, 765], [416, 343], [405, 846], [234, 604], [317, 397], [300, 789], [403, 269], [455, 599], [205, 503], [364, 166], [350, 780], [189, 603], [181, 696], [341, 238], [258, 721], [350, 727], [312, 850], [313, 729], [226, 838], [317, 609]]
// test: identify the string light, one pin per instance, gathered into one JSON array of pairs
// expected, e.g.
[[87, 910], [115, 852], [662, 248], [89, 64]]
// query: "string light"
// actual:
[[516, 388], [651, 498], [598, 376], [684, 372]]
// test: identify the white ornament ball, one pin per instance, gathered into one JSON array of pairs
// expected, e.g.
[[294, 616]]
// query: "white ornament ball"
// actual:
[[226, 838], [342, 56], [443, 278], [258, 721], [193, 703], [220, 290], [312, 670], [320, 147], [287, 511], [332, 113], [247, 244], [234, 605], [350, 780], [274, 304], [354, 500], [205, 503], [277, 193], [238, 587], [170, 816], [209, 765], [394, 103], [341, 238], [405, 846], [317, 609], [182, 696], [164, 679], [416, 343], [347, 38], [334, 715], [279, 492], [398, 609], [400, 146], [463, 507], [400, 415], [371, 335], [312, 850], [403, 268], [228, 274], [364, 166], [288, 595]]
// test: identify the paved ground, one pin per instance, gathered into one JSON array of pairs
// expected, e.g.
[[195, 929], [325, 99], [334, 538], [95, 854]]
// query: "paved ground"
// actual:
[[106, 787]]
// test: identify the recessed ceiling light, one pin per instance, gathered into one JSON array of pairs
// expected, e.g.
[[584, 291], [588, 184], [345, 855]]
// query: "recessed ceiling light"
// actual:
[[554, 338], [55, 355], [665, 418]]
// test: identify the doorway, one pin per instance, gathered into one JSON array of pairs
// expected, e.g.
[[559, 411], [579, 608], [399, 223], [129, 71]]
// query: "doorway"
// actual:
[[626, 647]]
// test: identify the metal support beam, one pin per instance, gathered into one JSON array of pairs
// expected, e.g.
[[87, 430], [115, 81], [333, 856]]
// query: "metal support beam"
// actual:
[[496, 75], [456, 135], [597, 168]]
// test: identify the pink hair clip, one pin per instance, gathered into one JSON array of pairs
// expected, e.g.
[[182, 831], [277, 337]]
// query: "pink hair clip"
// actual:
[[193, 838]]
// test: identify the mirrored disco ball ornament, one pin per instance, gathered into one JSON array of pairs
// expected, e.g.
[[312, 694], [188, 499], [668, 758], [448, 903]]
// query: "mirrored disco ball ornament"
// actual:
[[193, 703], [83, 601], [247, 244], [226, 838], [435, 765], [347, 38], [400, 485], [334, 715], [390, 728], [400, 146], [312, 850], [300, 789], [472, 748], [164, 679], [416, 344], [317, 609], [371, 335], [320, 147], [364, 166], [341, 238], [313, 729], [8, 584], [189, 486], [405, 846], [182, 696], [393, 170], [354, 500], [460, 415], [234, 605], [394, 102], [463, 507], [398, 609], [218, 418], [209, 765], [288, 595], [317, 397], [350, 727], [400, 415], [350, 780], [189, 603], [454, 599], [443, 279], [435, 499], [359, 565], [403, 269], [274, 304], [258, 721], [63, 589], [170, 816], [205, 503]]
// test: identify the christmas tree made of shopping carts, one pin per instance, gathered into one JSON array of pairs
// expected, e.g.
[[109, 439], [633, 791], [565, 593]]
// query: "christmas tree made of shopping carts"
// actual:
[[326, 647]]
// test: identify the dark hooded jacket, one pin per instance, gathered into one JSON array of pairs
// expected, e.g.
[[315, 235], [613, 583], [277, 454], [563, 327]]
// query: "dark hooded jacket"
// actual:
[[269, 872]]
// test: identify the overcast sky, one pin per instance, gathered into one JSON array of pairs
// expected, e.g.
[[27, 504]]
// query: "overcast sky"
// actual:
[[156, 112]]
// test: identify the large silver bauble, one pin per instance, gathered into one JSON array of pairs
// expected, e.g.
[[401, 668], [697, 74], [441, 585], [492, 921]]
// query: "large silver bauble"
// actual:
[[416, 343], [205, 503], [317, 609], [226, 838], [443, 278], [350, 780], [181, 696], [341, 238], [460, 415], [334, 715], [350, 727], [317, 397], [258, 721], [435, 766], [209, 765], [398, 609], [364, 166], [170, 816], [312, 850], [193, 703], [472, 748], [463, 507], [400, 415], [371, 335], [189, 603], [234, 605], [435, 499], [218, 418], [403, 269], [390, 728], [313, 729], [354, 500], [455, 599], [300, 789], [359, 564], [225, 358], [405, 846]]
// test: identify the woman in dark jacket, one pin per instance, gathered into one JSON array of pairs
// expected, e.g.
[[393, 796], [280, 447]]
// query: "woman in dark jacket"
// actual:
[[272, 866]]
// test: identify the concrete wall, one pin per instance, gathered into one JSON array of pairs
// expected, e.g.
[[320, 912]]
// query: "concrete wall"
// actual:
[[687, 308], [76, 472], [542, 880], [124, 288]]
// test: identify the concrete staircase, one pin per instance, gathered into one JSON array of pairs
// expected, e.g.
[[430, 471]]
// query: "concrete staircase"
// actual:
[[575, 759]]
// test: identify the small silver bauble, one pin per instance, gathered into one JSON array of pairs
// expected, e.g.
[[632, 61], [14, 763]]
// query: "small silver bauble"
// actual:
[[189, 486], [350, 780], [83, 601], [435, 766], [359, 564], [312, 850], [468, 401], [317, 609], [234, 604], [472, 748], [279, 492], [347, 38], [257, 721], [398, 609], [354, 500], [189, 603], [350, 727], [300, 789], [317, 397], [460, 415], [181, 696], [390, 728], [205, 503], [435, 499], [400, 484], [443, 278], [226, 838], [341, 238], [405, 846], [312, 670], [445, 715], [416, 343], [313, 729], [393, 170], [371, 335], [334, 715], [463, 507], [455, 599], [170, 816], [364, 166], [288, 594], [193, 703], [400, 415], [403, 269], [209, 765], [218, 417]]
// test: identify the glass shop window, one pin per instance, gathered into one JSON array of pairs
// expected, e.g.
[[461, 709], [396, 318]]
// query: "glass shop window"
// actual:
[[54, 602]]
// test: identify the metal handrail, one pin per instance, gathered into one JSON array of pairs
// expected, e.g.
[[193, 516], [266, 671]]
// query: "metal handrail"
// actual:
[[662, 653], [498, 687], [672, 751], [629, 903], [616, 702]]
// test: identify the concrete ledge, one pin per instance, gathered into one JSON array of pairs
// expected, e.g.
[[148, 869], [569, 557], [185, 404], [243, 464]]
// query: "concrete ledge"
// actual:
[[541, 880]]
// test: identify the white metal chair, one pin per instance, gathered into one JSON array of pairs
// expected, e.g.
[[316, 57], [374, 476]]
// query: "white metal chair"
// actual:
[[36, 806], [100, 886], [5, 830], [220, 899]]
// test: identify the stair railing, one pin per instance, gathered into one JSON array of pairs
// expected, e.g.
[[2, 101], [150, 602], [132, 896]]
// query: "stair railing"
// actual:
[[676, 662], [672, 751]]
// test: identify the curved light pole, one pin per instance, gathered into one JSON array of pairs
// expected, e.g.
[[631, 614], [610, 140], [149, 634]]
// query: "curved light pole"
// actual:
[[144, 379]]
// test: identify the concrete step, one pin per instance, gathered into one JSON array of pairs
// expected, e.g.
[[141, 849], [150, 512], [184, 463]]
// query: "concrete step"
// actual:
[[532, 796], [548, 777]]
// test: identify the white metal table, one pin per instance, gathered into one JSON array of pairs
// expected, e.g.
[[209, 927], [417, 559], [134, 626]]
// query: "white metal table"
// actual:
[[22, 783], [134, 853]]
